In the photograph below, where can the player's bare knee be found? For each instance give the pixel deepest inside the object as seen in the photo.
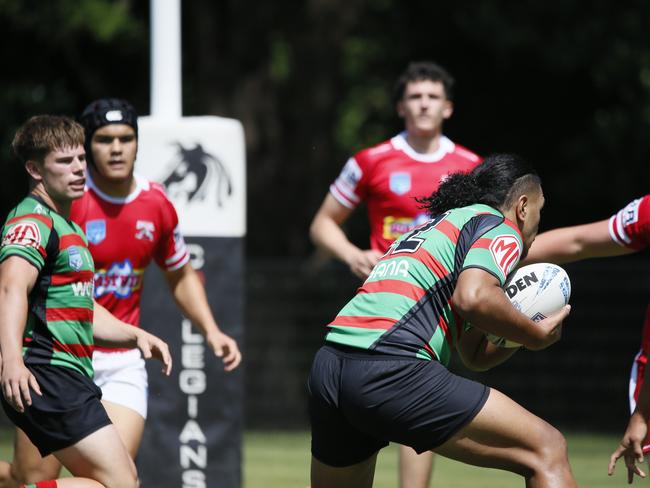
(552, 450)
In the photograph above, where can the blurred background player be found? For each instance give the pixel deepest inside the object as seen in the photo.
(625, 232)
(129, 221)
(381, 376)
(48, 317)
(389, 177)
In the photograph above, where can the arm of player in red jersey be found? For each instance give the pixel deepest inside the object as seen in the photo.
(190, 296)
(327, 234)
(574, 243)
(479, 354)
(17, 278)
(631, 445)
(109, 331)
(480, 300)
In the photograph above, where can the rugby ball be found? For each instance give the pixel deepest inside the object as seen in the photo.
(536, 290)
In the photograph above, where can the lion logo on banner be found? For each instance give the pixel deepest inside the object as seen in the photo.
(193, 175)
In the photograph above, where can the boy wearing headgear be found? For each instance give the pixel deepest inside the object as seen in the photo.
(129, 221)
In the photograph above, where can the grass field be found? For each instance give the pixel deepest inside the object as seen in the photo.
(281, 460)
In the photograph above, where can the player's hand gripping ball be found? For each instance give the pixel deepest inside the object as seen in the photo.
(536, 290)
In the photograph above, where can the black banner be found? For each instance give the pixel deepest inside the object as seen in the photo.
(193, 433)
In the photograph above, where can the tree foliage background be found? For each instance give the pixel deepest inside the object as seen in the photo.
(566, 84)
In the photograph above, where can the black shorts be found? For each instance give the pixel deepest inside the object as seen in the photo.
(359, 401)
(69, 409)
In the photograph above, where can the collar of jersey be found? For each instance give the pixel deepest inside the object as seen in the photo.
(494, 211)
(140, 185)
(445, 147)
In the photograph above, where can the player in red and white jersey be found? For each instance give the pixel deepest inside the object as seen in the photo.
(147, 226)
(129, 221)
(388, 178)
(625, 232)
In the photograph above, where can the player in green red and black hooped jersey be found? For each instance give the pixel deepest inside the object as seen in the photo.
(404, 307)
(59, 324)
(381, 375)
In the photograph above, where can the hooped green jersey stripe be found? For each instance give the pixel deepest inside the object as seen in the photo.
(404, 308)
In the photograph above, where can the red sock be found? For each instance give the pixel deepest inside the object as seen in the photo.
(42, 484)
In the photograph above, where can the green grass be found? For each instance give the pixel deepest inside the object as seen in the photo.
(281, 460)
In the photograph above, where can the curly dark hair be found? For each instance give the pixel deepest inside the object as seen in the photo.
(498, 180)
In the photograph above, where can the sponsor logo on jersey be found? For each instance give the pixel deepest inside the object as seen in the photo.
(394, 227)
(195, 172)
(82, 288)
(121, 279)
(400, 182)
(351, 173)
(505, 251)
(39, 209)
(96, 231)
(630, 213)
(26, 234)
(74, 258)
(391, 269)
(144, 230)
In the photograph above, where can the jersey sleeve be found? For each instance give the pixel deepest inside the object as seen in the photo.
(497, 251)
(630, 226)
(26, 236)
(171, 252)
(349, 188)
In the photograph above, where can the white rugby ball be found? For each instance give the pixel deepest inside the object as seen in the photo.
(537, 290)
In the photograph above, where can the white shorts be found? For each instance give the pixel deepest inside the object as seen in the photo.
(123, 379)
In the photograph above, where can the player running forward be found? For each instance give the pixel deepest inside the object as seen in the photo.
(129, 222)
(381, 376)
(625, 232)
(48, 317)
(389, 177)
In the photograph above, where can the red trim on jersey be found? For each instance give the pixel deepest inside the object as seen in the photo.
(69, 240)
(445, 328)
(363, 322)
(399, 287)
(448, 229)
(39, 217)
(514, 227)
(72, 277)
(77, 350)
(69, 313)
(430, 262)
(483, 243)
(427, 348)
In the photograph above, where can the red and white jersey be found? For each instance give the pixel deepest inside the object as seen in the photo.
(390, 176)
(124, 234)
(630, 226)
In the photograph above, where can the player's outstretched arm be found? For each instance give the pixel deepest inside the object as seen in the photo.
(109, 331)
(17, 278)
(631, 445)
(190, 296)
(479, 299)
(574, 243)
(327, 234)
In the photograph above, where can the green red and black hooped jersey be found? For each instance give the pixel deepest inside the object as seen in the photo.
(404, 308)
(59, 329)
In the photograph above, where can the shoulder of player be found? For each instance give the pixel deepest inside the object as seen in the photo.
(373, 154)
(30, 210)
(465, 154)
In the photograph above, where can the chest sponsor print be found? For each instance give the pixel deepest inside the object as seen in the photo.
(120, 279)
(399, 182)
(505, 250)
(96, 231)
